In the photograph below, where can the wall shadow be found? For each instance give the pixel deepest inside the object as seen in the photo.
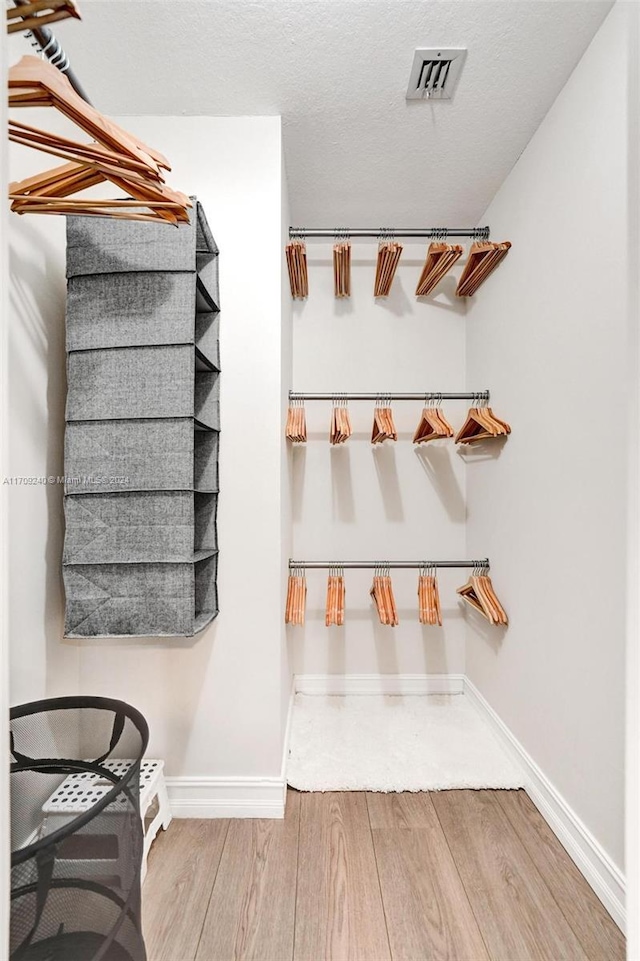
(492, 634)
(397, 302)
(435, 460)
(434, 648)
(385, 644)
(444, 297)
(482, 450)
(384, 458)
(342, 499)
(39, 304)
(298, 469)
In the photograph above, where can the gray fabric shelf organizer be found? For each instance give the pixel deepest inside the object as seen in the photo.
(143, 420)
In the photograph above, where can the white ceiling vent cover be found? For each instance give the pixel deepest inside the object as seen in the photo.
(435, 73)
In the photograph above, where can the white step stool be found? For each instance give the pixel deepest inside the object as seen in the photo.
(79, 792)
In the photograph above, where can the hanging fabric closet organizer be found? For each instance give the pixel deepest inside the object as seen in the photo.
(143, 420)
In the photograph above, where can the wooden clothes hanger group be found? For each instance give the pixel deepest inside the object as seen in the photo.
(382, 594)
(429, 611)
(334, 612)
(433, 425)
(483, 259)
(389, 253)
(340, 423)
(114, 155)
(38, 13)
(342, 269)
(296, 252)
(479, 593)
(383, 425)
(296, 597)
(481, 424)
(296, 429)
(440, 259)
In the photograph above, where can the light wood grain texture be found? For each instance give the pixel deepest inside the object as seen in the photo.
(517, 915)
(426, 908)
(339, 913)
(252, 909)
(182, 867)
(453, 876)
(401, 810)
(598, 934)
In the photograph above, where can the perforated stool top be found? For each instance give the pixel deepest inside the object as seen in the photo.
(79, 792)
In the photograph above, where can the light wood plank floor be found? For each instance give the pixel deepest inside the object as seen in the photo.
(448, 876)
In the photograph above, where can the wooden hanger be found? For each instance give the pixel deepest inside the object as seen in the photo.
(296, 252)
(432, 426)
(296, 427)
(340, 422)
(487, 588)
(296, 597)
(483, 259)
(382, 594)
(439, 261)
(81, 153)
(334, 613)
(50, 87)
(429, 611)
(479, 593)
(38, 13)
(342, 268)
(383, 425)
(114, 155)
(389, 254)
(446, 426)
(50, 193)
(392, 613)
(377, 594)
(481, 424)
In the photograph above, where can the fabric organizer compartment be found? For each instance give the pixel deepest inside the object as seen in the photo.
(113, 310)
(162, 454)
(143, 421)
(140, 600)
(139, 526)
(205, 468)
(104, 246)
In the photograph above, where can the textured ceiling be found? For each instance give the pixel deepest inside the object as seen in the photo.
(356, 152)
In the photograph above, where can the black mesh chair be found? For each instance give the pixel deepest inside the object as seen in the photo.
(75, 877)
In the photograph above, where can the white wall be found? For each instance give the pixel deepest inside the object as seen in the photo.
(633, 573)
(214, 703)
(286, 466)
(42, 664)
(391, 501)
(4, 558)
(548, 334)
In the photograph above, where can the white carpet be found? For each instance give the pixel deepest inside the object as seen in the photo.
(406, 743)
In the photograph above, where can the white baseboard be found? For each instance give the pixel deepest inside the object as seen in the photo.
(224, 797)
(379, 684)
(602, 874)
(239, 797)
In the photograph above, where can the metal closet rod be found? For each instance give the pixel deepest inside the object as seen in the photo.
(54, 53)
(476, 233)
(425, 395)
(372, 565)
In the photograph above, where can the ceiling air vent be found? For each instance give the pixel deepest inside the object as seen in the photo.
(435, 73)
